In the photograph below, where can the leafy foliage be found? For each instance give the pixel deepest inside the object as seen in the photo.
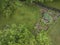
(20, 35)
(16, 35)
(8, 7)
(43, 38)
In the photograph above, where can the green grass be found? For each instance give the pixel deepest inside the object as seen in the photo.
(54, 4)
(24, 14)
(55, 28)
(55, 32)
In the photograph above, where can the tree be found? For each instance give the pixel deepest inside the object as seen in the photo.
(8, 7)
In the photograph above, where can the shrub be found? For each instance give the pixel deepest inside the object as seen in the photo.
(21, 35)
(43, 38)
(16, 35)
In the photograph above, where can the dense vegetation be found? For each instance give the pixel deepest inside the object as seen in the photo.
(8, 7)
(22, 31)
(20, 35)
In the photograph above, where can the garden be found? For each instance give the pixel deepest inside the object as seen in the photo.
(29, 22)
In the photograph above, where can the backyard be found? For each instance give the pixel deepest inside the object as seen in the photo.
(25, 23)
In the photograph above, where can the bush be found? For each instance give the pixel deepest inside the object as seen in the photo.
(16, 35)
(21, 35)
(43, 38)
(8, 8)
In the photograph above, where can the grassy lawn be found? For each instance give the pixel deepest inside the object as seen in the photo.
(55, 28)
(55, 32)
(24, 14)
(54, 4)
